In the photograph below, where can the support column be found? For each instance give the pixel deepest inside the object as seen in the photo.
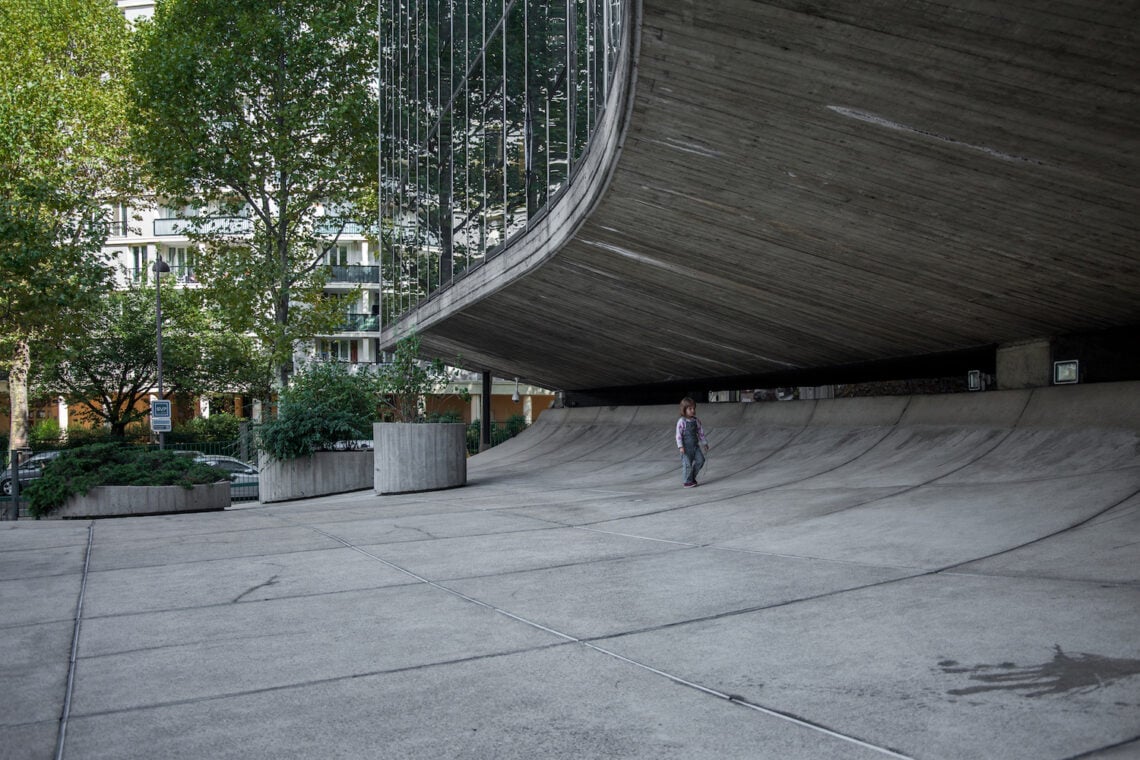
(485, 414)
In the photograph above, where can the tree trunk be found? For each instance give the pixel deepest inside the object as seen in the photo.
(284, 347)
(18, 395)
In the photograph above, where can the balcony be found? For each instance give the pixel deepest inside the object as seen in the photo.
(225, 225)
(327, 227)
(179, 274)
(354, 322)
(354, 273)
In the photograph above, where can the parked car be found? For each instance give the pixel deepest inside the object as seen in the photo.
(363, 445)
(30, 470)
(243, 476)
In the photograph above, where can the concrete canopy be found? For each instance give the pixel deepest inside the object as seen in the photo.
(783, 186)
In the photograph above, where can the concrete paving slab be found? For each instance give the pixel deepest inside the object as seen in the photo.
(737, 517)
(188, 585)
(30, 534)
(19, 563)
(614, 596)
(512, 552)
(107, 553)
(385, 530)
(1103, 549)
(953, 667)
(937, 526)
(33, 672)
(911, 456)
(21, 599)
(555, 703)
(137, 660)
(28, 741)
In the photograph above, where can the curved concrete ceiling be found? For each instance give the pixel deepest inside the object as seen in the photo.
(796, 185)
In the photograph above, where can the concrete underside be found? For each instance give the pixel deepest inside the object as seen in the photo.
(953, 577)
(803, 186)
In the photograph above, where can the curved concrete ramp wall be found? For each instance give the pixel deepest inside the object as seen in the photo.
(927, 481)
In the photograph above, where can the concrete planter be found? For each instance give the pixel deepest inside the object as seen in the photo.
(414, 457)
(122, 501)
(323, 473)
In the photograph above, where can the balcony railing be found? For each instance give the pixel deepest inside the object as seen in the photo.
(226, 225)
(360, 323)
(181, 274)
(354, 273)
(330, 227)
(241, 225)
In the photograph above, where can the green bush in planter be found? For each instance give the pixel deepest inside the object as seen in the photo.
(323, 405)
(78, 470)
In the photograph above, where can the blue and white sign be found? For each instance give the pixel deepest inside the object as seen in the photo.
(160, 416)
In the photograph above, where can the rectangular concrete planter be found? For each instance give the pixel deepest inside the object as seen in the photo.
(323, 473)
(414, 457)
(122, 501)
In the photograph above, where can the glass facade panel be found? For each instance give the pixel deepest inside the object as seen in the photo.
(487, 107)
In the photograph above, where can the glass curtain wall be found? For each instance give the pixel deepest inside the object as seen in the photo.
(486, 109)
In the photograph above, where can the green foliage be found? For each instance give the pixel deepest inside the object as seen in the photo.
(62, 163)
(108, 362)
(85, 436)
(323, 405)
(45, 433)
(217, 428)
(407, 379)
(261, 116)
(78, 470)
(514, 425)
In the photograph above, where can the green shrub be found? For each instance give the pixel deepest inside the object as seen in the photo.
(323, 405)
(500, 432)
(44, 434)
(217, 428)
(83, 436)
(78, 470)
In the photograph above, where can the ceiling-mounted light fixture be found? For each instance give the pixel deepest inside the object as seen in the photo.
(1065, 372)
(515, 395)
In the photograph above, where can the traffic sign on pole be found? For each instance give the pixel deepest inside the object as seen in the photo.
(160, 416)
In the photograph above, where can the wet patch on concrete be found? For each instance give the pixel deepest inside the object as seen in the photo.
(1080, 673)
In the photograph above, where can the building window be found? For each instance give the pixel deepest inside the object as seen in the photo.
(337, 350)
(182, 261)
(139, 256)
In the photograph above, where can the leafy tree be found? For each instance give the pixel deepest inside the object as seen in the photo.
(108, 363)
(62, 162)
(406, 380)
(260, 115)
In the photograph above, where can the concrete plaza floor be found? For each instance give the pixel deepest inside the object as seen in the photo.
(927, 577)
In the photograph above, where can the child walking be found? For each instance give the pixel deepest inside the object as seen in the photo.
(691, 441)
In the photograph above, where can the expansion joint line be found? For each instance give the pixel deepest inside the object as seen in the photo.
(65, 714)
(733, 698)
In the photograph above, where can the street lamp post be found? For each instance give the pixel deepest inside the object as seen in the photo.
(160, 267)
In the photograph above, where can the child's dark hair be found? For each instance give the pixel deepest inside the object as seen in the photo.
(686, 402)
